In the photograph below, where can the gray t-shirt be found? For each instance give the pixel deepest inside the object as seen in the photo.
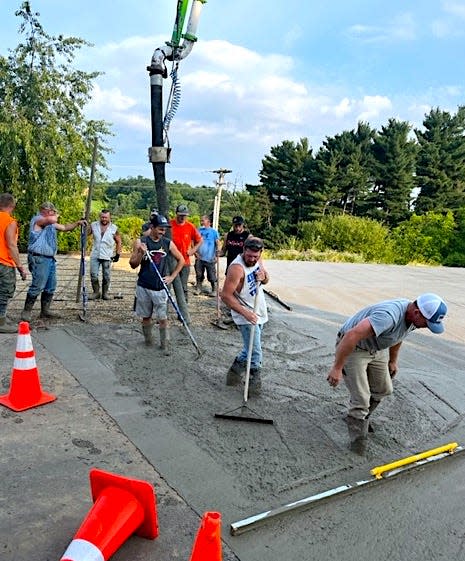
(387, 319)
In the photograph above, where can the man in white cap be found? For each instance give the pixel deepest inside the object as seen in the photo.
(367, 349)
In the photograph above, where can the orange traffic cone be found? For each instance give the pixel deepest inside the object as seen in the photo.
(122, 506)
(207, 545)
(25, 389)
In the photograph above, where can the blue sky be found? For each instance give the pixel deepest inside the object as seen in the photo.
(261, 72)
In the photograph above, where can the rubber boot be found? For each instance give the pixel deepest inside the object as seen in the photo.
(213, 291)
(358, 434)
(198, 288)
(45, 302)
(105, 287)
(233, 377)
(148, 334)
(373, 405)
(255, 381)
(26, 314)
(96, 290)
(165, 341)
(7, 327)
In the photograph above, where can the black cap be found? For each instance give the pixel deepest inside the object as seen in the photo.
(238, 220)
(182, 209)
(159, 220)
(255, 244)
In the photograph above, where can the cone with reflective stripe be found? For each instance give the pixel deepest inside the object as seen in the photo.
(207, 545)
(122, 507)
(25, 389)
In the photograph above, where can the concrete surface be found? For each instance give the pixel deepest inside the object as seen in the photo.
(132, 411)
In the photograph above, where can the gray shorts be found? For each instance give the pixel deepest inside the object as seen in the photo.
(151, 303)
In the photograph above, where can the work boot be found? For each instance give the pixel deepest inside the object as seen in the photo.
(213, 291)
(255, 381)
(373, 405)
(198, 288)
(233, 377)
(165, 341)
(45, 302)
(26, 314)
(96, 289)
(6, 327)
(148, 334)
(105, 287)
(358, 434)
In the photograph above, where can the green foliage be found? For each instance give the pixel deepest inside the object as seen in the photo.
(424, 238)
(130, 228)
(344, 233)
(45, 141)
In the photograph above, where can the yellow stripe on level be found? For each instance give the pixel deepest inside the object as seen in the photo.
(379, 470)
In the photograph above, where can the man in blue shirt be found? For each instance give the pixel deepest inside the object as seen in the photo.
(206, 256)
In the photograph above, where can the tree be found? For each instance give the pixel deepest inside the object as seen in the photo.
(343, 168)
(287, 176)
(441, 162)
(393, 173)
(45, 140)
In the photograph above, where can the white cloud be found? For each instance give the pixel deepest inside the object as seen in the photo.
(454, 8)
(400, 28)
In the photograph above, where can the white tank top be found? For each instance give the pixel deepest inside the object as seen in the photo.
(247, 294)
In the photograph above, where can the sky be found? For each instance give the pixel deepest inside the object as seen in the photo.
(260, 73)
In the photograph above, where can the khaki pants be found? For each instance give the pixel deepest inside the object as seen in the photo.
(366, 375)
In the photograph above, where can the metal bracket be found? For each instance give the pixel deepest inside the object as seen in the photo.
(159, 154)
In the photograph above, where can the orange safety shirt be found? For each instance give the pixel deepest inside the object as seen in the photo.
(183, 236)
(5, 257)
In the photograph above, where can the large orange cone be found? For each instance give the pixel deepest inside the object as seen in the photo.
(25, 389)
(122, 507)
(207, 545)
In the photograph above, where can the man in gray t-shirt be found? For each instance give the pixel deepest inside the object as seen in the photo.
(367, 348)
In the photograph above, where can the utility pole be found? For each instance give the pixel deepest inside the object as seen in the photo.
(220, 183)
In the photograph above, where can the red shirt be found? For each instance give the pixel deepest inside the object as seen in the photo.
(184, 236)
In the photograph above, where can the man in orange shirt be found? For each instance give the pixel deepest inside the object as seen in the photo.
(187, 239)
(10, 259)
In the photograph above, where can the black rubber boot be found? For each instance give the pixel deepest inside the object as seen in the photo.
(45, 302)
(6, 327)
(358, 434)
(105, 287)
(234, 375)
(96, 290)
(198, 288)
(373, 405)
(148, 334)
(213, 291)
(26, 314)
(255, 381)
(165, 341)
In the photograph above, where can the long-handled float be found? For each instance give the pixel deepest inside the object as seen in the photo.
(379, 474)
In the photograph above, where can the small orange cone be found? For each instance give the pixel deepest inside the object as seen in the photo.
(122, 507)
(25, 389)
(207, 545)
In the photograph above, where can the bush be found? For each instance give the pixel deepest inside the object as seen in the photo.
(348, 234)
(130, 228)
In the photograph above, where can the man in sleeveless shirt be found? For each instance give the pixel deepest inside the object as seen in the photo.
(367, 349)
(10, 259)
(151, 295)
(42, 249)
(105, 236)
(243, 293)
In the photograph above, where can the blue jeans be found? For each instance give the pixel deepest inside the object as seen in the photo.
(257, 345)
(95, 265)
(43, 271)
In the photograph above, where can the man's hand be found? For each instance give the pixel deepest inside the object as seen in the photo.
(334, 376)
(115, 258)
(393, 368)
(23, 273)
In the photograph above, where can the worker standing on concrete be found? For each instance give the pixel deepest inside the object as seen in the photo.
(367, 350)
(206, 257)
(105, 237)
(42, 249)
(10, 259)
(243, 293)
(151, 291)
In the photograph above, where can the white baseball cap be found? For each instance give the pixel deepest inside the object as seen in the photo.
(433, 309)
